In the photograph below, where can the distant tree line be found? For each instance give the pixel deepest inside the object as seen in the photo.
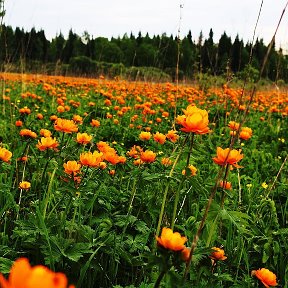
(86, 55)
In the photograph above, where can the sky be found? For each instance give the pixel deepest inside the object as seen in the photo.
(113, 18)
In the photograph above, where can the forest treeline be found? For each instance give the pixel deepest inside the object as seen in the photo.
(131, 55)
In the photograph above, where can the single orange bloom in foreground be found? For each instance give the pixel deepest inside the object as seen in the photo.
(66, 126)
(171, 240)
(5, 155)
(267, 277)
(218, 254)
(22, 275)
(195, 120)
(227, 156)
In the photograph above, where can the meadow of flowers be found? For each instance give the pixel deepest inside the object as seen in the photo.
(122, 184)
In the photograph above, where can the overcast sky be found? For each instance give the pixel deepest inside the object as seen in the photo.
(109, 18)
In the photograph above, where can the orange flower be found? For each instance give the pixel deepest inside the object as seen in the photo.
(148, 156)
(77, 119)
(83, 138)
(225, 185)
(18, 123)
(172, 136)
(27, 133)
(171, 240)
(227, 156)
(218, 254)
(40, 116)
(60, 109)
(5, 155)
(22, 275)
(111, 156)
(134, 152)
(166, 161)
(53, 117)
(47, 143)
(195, 120)
(25, 185)
(234, 126)
(138, 162)
(25, 110)
(45, 133)
(245, 133)
(95, 123)
(145, 136)
(185, 253)
(72, 167)
(193, 170)
(160, 138)
(267, 277)
(66, 126)
(91, 159)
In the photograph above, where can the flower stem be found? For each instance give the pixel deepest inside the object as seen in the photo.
(167, 187)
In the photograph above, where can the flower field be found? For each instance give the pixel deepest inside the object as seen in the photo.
(130, 184)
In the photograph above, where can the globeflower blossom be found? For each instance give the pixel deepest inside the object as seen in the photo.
(5, 155)
(18, 123)
(185, 254)
(225, 185)
(83, 138)
(91, 159)
(194, 120)
(267, 277)
(25, 185)
(171, 240)
(47, 143)
(45, 133)
(218, 254)
(245, 133)
(95, 123)
(148, 156)
(22, 275)
(144, 136)
(66, 126)
(27, 133)
(234, 126)
(71, 167)
(172, 136)
(228, 156)
(159, 137)
(192, 169)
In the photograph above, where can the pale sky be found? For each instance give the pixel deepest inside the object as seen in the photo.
(109, 18)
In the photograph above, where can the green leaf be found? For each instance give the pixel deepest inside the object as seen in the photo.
(5, 265)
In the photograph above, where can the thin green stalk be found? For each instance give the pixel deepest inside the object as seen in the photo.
(177, 196)
(167, 187)
(48, 192)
